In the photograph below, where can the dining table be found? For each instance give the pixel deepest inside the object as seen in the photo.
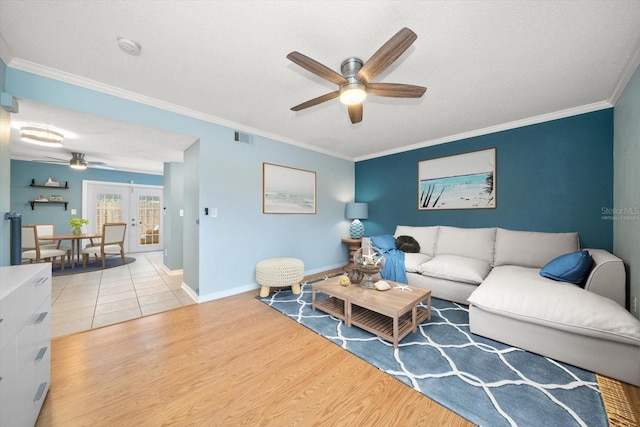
(75, 239)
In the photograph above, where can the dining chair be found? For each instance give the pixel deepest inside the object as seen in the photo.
(45, 230)
(32, 251)
(112, 244)
(94, 241)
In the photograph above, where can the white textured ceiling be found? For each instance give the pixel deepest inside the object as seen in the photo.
(487, 64)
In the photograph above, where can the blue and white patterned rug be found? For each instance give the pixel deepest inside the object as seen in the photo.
(486, 382)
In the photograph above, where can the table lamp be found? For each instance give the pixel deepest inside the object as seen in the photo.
(356, 212)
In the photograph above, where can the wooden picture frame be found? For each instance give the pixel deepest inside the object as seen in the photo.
(460, 181)
(287, 190)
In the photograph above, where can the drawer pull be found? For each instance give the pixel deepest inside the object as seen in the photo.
(40, 391)
(1, 319)
(40, 281)
(41, 353)
(41, 317)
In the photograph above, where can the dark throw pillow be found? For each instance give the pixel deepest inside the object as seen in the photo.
(407, 244)
(571, 268)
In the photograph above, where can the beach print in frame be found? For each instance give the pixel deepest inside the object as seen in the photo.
(288, 190)
(461, 181)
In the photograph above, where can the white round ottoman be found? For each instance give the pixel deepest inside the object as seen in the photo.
(279, 273)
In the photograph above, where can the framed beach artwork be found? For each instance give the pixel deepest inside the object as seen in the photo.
(288, 190)
(461, 181)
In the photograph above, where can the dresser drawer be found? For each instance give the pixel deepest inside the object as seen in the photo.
(34, 338)
(8, 384)
(31, 390)
(25, 342)
(9, 321)
(22, 301)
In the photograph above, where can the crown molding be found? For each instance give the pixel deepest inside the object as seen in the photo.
(627, 73)
(52, 73)
(73, 79)
(5, 53)
(493, 129)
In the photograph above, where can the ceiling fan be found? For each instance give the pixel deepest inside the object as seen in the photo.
(355, 81)
(78, 161)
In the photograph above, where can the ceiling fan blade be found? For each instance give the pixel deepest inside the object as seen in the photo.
(387, 54)
(55, 160)
(355, 113)
(100, 165)
(316, 101)
(396, 90)
(316, 68)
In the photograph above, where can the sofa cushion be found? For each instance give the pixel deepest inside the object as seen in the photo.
(475, 243)
(532, 249)
(425, 236)
(407, 244)
(570, 268)
(521, 293)
(456, 268)
(413, 261)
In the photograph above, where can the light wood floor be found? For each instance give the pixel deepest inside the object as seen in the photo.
(228, 362)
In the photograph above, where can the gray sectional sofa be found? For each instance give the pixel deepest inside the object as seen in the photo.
(497, 273)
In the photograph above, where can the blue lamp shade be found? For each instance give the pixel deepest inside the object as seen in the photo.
(356, 212)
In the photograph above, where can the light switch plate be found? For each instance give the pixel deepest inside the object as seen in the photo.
(74, 211)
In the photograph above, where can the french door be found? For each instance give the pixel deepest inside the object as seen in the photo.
(139, 206)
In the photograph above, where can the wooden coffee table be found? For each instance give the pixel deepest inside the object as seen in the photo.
(391, 314)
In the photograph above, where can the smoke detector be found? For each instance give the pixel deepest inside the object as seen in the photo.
(129, 46)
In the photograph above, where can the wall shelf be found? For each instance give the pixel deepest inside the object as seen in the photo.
(33, 184)
(49, 202)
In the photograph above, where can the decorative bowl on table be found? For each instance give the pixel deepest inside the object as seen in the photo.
(369, 260)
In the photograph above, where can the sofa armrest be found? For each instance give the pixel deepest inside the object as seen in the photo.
(607, 277)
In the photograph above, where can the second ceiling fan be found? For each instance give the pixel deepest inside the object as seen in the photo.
(78, 161)
(355, 81)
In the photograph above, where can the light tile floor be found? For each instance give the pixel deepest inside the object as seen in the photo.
(91, 300)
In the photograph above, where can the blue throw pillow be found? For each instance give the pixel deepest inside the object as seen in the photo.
(384, 243)
(571, 268)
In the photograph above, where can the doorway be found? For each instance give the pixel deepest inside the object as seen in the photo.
(139, 206)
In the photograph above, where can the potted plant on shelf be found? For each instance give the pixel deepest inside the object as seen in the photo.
(76, 224)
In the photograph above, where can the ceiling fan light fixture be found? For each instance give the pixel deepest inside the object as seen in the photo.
(41, 136)
(352, 93)
(77, 161)
(76, 164)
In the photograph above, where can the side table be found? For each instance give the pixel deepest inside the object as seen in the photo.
(353, 245)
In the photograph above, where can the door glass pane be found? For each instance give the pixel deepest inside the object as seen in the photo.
(108, 209)
(149, 217)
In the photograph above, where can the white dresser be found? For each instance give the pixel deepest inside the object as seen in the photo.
(25, 342)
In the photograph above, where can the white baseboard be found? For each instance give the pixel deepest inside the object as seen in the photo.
(171, 272)
(192, 294)
(241, 289)
(228, 292)
(320, 270)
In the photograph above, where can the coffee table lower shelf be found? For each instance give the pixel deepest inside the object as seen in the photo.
(382, 325)
(333, 306)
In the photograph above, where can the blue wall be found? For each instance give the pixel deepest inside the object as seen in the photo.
(5, 166)
(626, 198)
(22, 172)
(229, 178)
(554, 176)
